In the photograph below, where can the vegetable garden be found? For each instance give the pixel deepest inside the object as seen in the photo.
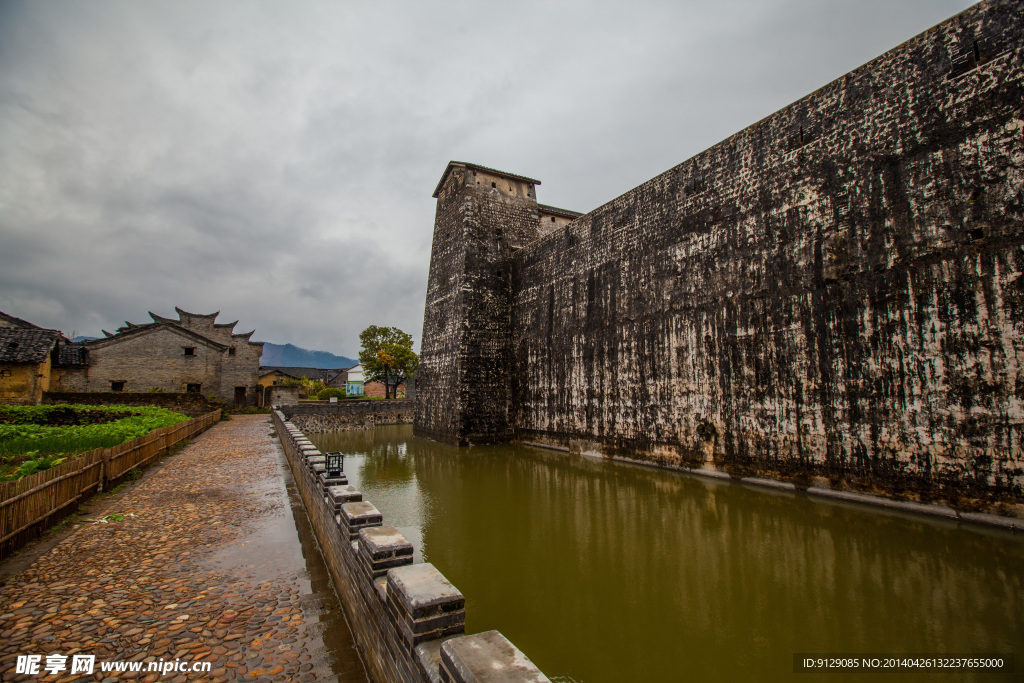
(34, 438)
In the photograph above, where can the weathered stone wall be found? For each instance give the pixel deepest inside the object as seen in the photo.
(280, 395)
(348, 414)
(240, 361)
(438, 369)
(24, 383)
(550, 222)
(192, 405)
(154, 359)
(70, 379)
(834, 291)
(464, 370)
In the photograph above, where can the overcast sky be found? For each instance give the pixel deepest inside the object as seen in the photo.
(275, 160)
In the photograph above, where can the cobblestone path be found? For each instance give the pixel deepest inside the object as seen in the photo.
(205, 565)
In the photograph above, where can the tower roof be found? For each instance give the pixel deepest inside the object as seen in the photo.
(464, 164)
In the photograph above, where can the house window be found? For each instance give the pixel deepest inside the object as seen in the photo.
(189, 350)
(193, 388)
(231, 351)
(117, 386)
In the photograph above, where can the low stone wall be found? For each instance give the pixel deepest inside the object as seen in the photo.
(407, 619)
(314, 418)
(192, 405)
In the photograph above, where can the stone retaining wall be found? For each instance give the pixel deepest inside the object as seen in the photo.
(314, 418)
(407, 619)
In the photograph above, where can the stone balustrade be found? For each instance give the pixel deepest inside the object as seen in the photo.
(408, 619)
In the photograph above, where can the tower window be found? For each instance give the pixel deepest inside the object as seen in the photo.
(231, 351)
(494, 184)
(193, 388)
(117, 386)
(189, 350)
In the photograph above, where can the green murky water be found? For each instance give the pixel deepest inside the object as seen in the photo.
(604, 571)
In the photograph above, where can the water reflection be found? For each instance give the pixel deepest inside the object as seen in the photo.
(604, 571)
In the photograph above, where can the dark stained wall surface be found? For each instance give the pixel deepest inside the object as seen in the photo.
(482, 218)
(834, 291)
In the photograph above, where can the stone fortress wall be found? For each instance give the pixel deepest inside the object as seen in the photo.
(835, 292)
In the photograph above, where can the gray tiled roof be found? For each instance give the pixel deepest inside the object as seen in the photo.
(26, 344)
(561, 212)
(16, 322)
(71, 355)
(505, 174)
(312, 373)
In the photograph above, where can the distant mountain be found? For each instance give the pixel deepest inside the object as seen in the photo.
(291, 356)
(80, 338)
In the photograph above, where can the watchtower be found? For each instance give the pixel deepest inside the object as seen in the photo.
(483, 216)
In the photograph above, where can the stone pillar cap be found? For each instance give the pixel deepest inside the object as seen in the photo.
(379, 538)
(486, 657)
(421, 586)
(359, 509)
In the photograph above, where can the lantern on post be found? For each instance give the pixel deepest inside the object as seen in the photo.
(335, 463)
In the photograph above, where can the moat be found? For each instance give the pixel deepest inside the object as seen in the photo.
(606, 571)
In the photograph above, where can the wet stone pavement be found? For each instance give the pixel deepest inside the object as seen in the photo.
(212, 561)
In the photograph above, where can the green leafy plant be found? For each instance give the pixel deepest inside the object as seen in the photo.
(37, 465)
(331, 392)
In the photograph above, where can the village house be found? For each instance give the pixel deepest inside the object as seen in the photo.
(354, 378)
(193, 353)
(271, 375)
(276, 377)
(29, 357)
(356, 385)
(26, 357)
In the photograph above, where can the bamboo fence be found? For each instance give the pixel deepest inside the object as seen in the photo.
(29, 505)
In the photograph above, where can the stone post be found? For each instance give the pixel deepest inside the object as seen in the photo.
(424, 605)
(381, 548)
(356, 516)
(486, 657)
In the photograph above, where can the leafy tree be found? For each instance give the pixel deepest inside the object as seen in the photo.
(307, 387)
(311, 387)
(387, 356)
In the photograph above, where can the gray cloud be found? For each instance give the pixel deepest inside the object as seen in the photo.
(275, 161)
